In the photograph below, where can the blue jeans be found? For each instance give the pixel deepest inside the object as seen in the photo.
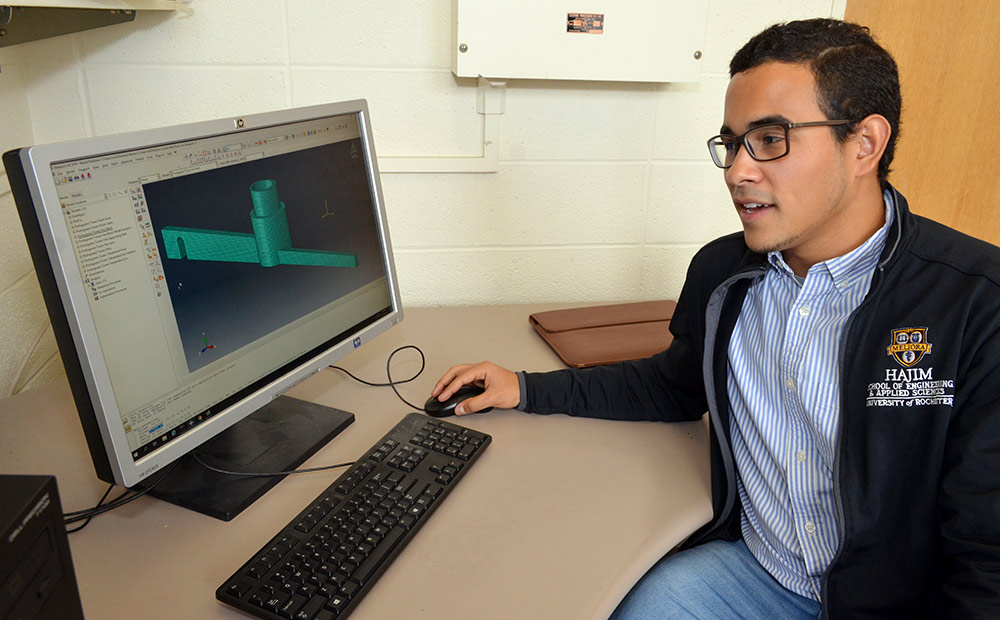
(718, 580)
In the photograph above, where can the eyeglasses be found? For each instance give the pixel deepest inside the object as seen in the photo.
(764, 143)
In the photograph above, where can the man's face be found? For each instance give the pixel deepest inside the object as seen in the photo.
(799, 204)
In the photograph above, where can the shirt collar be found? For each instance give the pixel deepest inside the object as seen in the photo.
(846, 270)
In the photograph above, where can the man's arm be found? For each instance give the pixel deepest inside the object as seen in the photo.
(667, 386)
(647, 389)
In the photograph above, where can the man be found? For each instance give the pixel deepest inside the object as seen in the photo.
(846, 351)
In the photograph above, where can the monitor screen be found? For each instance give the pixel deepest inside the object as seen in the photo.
(194, 273)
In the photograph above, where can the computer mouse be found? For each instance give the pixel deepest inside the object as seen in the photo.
(438, 409)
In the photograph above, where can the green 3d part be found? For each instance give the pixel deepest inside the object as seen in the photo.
(270, 244)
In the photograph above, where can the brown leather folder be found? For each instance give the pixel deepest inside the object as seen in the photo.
(595, 335)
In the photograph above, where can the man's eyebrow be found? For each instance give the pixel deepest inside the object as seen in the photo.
(766, 120)
(769, 120)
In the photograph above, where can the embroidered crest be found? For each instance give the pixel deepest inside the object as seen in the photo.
(909, 345)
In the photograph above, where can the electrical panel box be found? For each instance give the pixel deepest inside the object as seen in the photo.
(601, 40)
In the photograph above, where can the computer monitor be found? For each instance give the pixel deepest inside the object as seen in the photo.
(194, 273)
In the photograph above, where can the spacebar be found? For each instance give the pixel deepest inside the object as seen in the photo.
(378, 555)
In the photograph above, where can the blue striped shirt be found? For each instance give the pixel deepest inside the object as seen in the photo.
(784, 394)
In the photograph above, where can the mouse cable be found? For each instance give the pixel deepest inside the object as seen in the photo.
(423, 362)
(388, 374)
(391, 383)
(130, 495)
(253, 474)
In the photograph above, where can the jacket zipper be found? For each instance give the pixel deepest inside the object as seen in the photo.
(838, 501)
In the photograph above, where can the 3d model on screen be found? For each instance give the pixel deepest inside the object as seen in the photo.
(270, 244)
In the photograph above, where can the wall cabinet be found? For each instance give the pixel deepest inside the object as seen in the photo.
(31, 20)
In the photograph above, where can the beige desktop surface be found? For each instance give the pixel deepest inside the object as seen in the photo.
(558, 518)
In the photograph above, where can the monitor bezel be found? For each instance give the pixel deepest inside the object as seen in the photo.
(73, 324)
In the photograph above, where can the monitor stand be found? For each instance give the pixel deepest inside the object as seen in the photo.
(278, 437)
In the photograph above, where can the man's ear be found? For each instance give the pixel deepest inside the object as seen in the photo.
(871, 138)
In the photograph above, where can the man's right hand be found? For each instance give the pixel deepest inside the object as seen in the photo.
(501, 385)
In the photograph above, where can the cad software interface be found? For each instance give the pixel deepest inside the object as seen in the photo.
(208, 264)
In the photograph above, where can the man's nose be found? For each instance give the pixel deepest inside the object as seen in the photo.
(744, 169)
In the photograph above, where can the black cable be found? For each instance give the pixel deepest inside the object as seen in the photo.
(121, 500)
(391, 383)
(125, 497)
(106, 508)
(360, 380)
(197, 458)
(373, 384)
(99, 502)
(76, 513)
(130, 495)
(388, 374)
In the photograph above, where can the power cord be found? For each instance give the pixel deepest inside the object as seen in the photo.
(87, 522)
(127, 496)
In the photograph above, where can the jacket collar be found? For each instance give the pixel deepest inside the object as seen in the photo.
(901, 229)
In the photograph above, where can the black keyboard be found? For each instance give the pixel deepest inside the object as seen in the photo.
(320, 565)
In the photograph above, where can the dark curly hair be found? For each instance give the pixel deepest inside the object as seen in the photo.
(855, 76)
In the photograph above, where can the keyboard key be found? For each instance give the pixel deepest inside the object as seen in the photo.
(275, 601)
(350, 589)
(238, 589)
(377, 558)
(311, 608)
(292, 606)
(337, 604)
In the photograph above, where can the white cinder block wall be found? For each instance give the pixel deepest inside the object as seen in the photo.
(604, 190)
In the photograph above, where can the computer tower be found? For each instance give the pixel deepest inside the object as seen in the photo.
(37, 581)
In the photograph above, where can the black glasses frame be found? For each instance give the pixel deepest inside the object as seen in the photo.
(741, 140)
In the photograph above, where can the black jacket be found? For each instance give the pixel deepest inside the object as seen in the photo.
(917, 474)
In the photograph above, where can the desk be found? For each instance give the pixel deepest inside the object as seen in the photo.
(523, 536)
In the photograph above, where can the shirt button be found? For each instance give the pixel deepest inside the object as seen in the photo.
(801, 456)
(804, 311)
(790, 384)
(810, 527)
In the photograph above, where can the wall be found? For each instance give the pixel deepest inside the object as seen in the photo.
(604, 190)
(27, 347)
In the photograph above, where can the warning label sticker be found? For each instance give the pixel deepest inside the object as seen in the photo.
(589, 23)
